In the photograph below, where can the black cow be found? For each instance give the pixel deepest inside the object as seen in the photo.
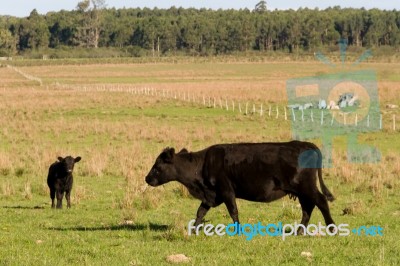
(60, 180)
(261, 172)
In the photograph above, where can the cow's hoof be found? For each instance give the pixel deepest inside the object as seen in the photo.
(300, 232)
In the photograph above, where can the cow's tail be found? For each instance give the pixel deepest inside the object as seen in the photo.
(324, 189)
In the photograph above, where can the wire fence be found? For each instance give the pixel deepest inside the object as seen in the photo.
(308, 117)
(300, 119)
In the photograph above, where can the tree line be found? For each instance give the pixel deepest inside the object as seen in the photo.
(198, 31)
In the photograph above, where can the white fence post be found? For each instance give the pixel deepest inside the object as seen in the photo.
(322, 117)
(294, 115)
(394, 122)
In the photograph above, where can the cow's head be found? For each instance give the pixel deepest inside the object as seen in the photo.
(163, 170)
(68, 163)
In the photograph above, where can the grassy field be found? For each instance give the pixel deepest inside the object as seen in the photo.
(116, 219)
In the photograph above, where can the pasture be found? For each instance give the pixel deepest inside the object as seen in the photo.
(116, 219)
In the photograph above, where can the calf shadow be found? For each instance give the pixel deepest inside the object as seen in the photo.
(118, 227)
(25, 207)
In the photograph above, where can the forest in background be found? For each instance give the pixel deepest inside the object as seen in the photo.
(137, 32)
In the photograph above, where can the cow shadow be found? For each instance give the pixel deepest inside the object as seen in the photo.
(117, 227)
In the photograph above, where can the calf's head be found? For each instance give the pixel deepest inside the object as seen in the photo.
(163, 169)
(68, 163)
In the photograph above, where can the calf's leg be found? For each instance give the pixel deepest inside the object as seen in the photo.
(52, 196)
(59, 195)
(68, 197)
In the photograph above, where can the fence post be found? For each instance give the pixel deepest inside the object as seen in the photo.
(261, 110)
(322, 117)
(240, 109)
(293, 114)
(277, 112)
(380, 121)
(233, 106)
(394, 122)
(269, 112)
(312, 117)
(226, 104)
(247, 104)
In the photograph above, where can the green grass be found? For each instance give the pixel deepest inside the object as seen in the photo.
(93, 232)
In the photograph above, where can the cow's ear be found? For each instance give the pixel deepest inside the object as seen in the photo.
(77, 159)
(60, 158)
(168, 155)
(171, 153)
(183, 151)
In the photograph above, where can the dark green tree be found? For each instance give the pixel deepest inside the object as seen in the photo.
(261, 6)
(33, 32)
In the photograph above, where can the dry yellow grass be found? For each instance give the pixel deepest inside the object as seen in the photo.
(109, 130)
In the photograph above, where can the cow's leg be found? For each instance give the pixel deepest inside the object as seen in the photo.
(59, 195)
(307, 207)
(52, 196)
(68, 197)
(201, 212)
(227, 196)
(230, 203)
(323, 206)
